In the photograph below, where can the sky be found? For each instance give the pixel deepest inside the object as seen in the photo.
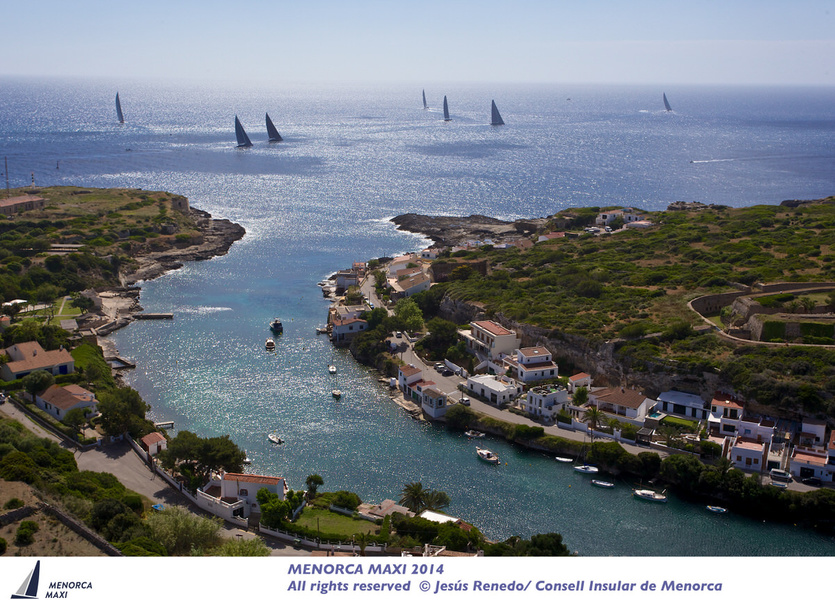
(789, 42)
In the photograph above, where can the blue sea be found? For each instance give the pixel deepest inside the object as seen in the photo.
(352, 158)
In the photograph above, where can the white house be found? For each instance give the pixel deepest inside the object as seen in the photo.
(682, 404)
(531, 365)
(348, 311)
(725, 414)
(749, 455)
(433, 402)
(242, 487)
(623, 403)
(627, 215)
(812, 433)
(579, 380)
(410, 284)
(345, 279)
(429, 253)
(154, 443)
(756, 430)
(496, 391)
(544, 401)
(399, 263)
(58, 401)
(344, 330)
(30, 356)
(490, 339)
(406, 376)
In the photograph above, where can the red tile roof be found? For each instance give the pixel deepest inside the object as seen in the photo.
(620, 397)
(244, 478)
(535, 351)
(493, 328)
(578, 376)
(153, 438)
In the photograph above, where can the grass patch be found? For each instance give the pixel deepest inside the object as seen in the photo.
(330, 523)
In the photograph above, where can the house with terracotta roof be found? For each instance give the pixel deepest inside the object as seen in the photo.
(534, 364)
(27, 357)
(154, 443)
(577, 381)
(58, 401)
(725, 414)
(623, 403)
(344, 330)
(406, 376)
(234, 495)
(490, 340)
(749, 455)
(409, 284)
(16, 204)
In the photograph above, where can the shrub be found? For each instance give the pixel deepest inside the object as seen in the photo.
(345, 499)
(13, 504)
(25, 533)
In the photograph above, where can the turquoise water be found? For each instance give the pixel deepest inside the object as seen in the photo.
(354, 157)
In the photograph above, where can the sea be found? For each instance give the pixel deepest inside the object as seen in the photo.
(354, 156)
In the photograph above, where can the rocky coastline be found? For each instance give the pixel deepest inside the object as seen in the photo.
(453, 231)
(118, 306)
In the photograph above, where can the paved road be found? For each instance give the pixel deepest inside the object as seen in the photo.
(120, 460)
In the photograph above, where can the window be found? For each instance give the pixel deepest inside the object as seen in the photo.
(243, 492)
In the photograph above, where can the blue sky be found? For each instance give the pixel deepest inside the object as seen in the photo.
(576, 41)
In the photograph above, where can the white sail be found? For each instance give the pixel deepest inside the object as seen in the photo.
(446, 110)
(243, 138)
(666, 103)
(424, 100)
(119, 114)
(272, 132)
(496, 117)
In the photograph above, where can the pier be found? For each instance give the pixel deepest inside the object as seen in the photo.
(153, 316)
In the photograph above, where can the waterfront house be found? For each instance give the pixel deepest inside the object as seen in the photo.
(409, 284)
(531, 365)
(58, 401)
(749, 455)
(725, 414)
(234, 495)
(624, 404)
(429, 253)
(344, 330)
(384, 509)
(757, 429)
(489, 340)
(495, 390)
(345, 279)
(154, 443)
(27, 357)
(348, 311)
(406, 376)
(544, 401)
(399, 263)
(627, 215)
(433, 402)
(682, 404)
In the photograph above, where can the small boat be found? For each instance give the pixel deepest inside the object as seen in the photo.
(564, 459)
(275, 439)
(240, 134)
(269, 345)
(272, 132)
(667, 106)
(276, 326)
(471, 433)
(496, 117)
(719, 510)
(446, 110)
(336, 394)
(425, 106)
(321, 330)
(589, 469)
(650, 495)
(332, 369)
(247, 460)
(601, 483)
(487, 455)
(119, 114)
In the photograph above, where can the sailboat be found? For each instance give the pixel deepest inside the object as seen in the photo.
(425, 106)
(446, 110)
(243, 138)
(119, 114)
(272, 131)
(497, 118)
(29, 587)
(666, 103)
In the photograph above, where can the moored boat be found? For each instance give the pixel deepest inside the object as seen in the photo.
(601, 483)
(269, 345)
(276, 325)
(275, 439)
(336, 394)
(564, 459)
(332, 369)
(589, 469)
(719, 510)
(471, 433)
(487, 455)
(650, 495)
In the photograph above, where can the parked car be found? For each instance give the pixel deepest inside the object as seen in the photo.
(439, 367)
(446, 372)
(815, 481)
(398, 334)
(780, 475)
(465, 401)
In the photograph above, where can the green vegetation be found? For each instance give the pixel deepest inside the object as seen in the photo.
(195, 458)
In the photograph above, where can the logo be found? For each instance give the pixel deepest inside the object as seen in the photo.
(29, 588)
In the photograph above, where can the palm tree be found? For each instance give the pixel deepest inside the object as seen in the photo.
(435, 500)
(808, 303)
(413, 496)
(594, 417)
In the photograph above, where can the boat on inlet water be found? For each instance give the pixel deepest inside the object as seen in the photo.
(487, 455)
(589, 469)
(650, 495)
(603, 484)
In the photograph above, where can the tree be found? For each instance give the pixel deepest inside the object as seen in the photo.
(808, 304)
(204, 455)
(581, 396)
(594, 417)
(181, 532)
(409, 315)
(122, 410)
(38, 382)
(313, 482)
(413, 496)
(435, 500)
(76, 418)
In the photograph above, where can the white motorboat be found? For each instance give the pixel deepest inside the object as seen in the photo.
(332, 369)
(471, 433)
(564, 459)
(603, 484)
(487, 455)
(588, 469)
(269, 345)
(275, 439)
(650, 495)
(336, 394)
(276, 325)
(719, 510)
